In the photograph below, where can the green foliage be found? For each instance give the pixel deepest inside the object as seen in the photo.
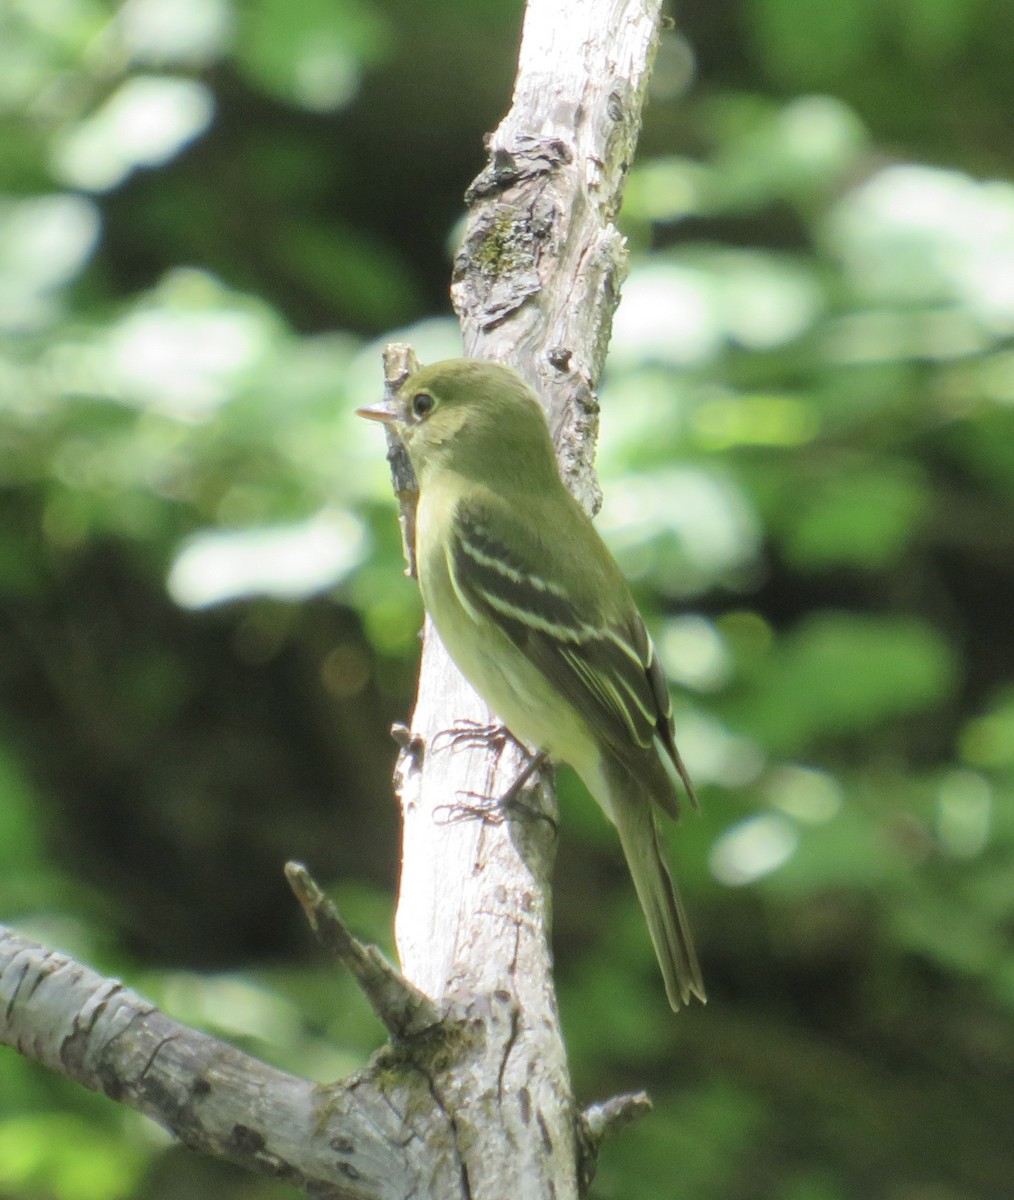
(864, 518)
(312, 53)
(211, 215)
(65, 1156)
(841, 674)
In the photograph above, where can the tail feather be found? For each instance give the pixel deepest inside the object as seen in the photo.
(636, 822)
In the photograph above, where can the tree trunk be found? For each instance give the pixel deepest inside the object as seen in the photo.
(535, 285)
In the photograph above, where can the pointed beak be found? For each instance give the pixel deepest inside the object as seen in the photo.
(384, 411)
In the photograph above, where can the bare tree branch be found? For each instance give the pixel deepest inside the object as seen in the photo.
(399, 362)
(343, 1142)
(535, 285)
(404, 1010)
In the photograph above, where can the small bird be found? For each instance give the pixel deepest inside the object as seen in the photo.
(536, 615)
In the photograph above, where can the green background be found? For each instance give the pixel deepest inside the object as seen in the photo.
(212, 215)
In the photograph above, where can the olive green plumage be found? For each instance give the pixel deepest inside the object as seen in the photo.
(537, 616)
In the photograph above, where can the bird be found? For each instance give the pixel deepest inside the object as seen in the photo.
(536, 614)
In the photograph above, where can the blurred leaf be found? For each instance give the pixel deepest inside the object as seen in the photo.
(191, 32)
(988, 740)
(288, 562)
(147, 121)
(708, 1133)
(935, 30)
(312, 53)
(806, 44)
(839, 673)
(351, 270)
(52, 1154)
(45, 241)
(861, 518)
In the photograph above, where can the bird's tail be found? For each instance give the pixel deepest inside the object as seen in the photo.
(636, 820)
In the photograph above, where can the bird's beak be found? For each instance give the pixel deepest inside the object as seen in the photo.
(384, 410)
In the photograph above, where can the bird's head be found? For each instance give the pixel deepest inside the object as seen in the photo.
(469, 416)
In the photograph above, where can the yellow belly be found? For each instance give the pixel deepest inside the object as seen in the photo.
(513, 687)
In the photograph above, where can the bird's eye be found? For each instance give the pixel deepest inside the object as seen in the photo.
(422, 404)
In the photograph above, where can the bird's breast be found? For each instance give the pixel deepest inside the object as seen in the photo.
(510, 683)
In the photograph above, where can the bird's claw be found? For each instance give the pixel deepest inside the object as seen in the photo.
(467, 732)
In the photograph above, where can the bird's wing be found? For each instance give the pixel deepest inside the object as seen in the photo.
(605, 667)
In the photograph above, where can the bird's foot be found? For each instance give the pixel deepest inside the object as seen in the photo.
(467, 732)
(486, 809)
(494, 810)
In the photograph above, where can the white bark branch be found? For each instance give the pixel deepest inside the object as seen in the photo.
(405, 1011)
(535, 285)
(539, 272)
(347, 1142)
